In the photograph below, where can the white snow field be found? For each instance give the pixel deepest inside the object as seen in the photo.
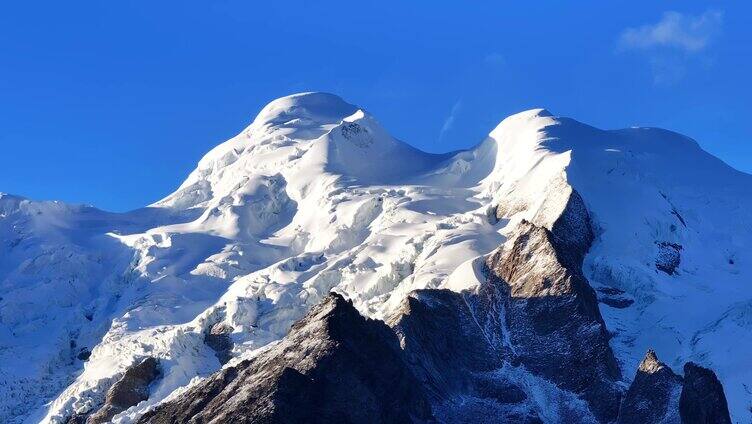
(316, 196)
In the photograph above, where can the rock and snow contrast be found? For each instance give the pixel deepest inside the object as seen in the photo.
(315, 269)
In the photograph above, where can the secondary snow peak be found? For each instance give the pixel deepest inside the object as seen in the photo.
(313, 108)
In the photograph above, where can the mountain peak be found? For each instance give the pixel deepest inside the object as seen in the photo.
(305, 108)
(650, 363)
(537, 112)
(316, 196)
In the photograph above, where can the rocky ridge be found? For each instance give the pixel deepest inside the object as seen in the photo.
(533, 326)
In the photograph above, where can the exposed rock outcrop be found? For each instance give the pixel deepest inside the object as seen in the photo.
(454, 344)
(668, 257)
(653, 395)
(552, 312)
(218, 339)
(132, 388)
(702, 400)
(572, 232)
(83, 354)
(334, 366)
(536, 309)
(658, 395)
(614, 297)
(443, 342)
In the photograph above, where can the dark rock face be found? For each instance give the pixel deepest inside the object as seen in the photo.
(492, 214)
(659, 395)
(702, 400)
(334, 366)
(668, 257)
(131, 389)
(536, 310)
(552, 312)
(76, 419)
(572, 233)
(356, 134)
(652, 396)
(614, 297)
(442, 342)
(454, 345)
(218, 339)
(83, 354)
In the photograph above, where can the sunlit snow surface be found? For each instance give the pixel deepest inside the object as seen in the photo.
(316, 196)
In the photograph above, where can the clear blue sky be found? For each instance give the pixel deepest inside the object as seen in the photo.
(112, 103)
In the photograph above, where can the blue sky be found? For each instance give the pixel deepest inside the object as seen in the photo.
(113, 103)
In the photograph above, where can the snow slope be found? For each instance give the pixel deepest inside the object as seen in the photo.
(316, 196)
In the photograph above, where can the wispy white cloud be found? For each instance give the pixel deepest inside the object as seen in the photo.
(688, 33)
(675, 44)
(494, 58)
(449, 121)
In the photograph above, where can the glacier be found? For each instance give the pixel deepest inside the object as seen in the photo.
(315, 197)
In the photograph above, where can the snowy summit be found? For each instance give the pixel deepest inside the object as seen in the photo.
(523, 279)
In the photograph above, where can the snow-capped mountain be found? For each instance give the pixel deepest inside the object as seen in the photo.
(525, 278)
